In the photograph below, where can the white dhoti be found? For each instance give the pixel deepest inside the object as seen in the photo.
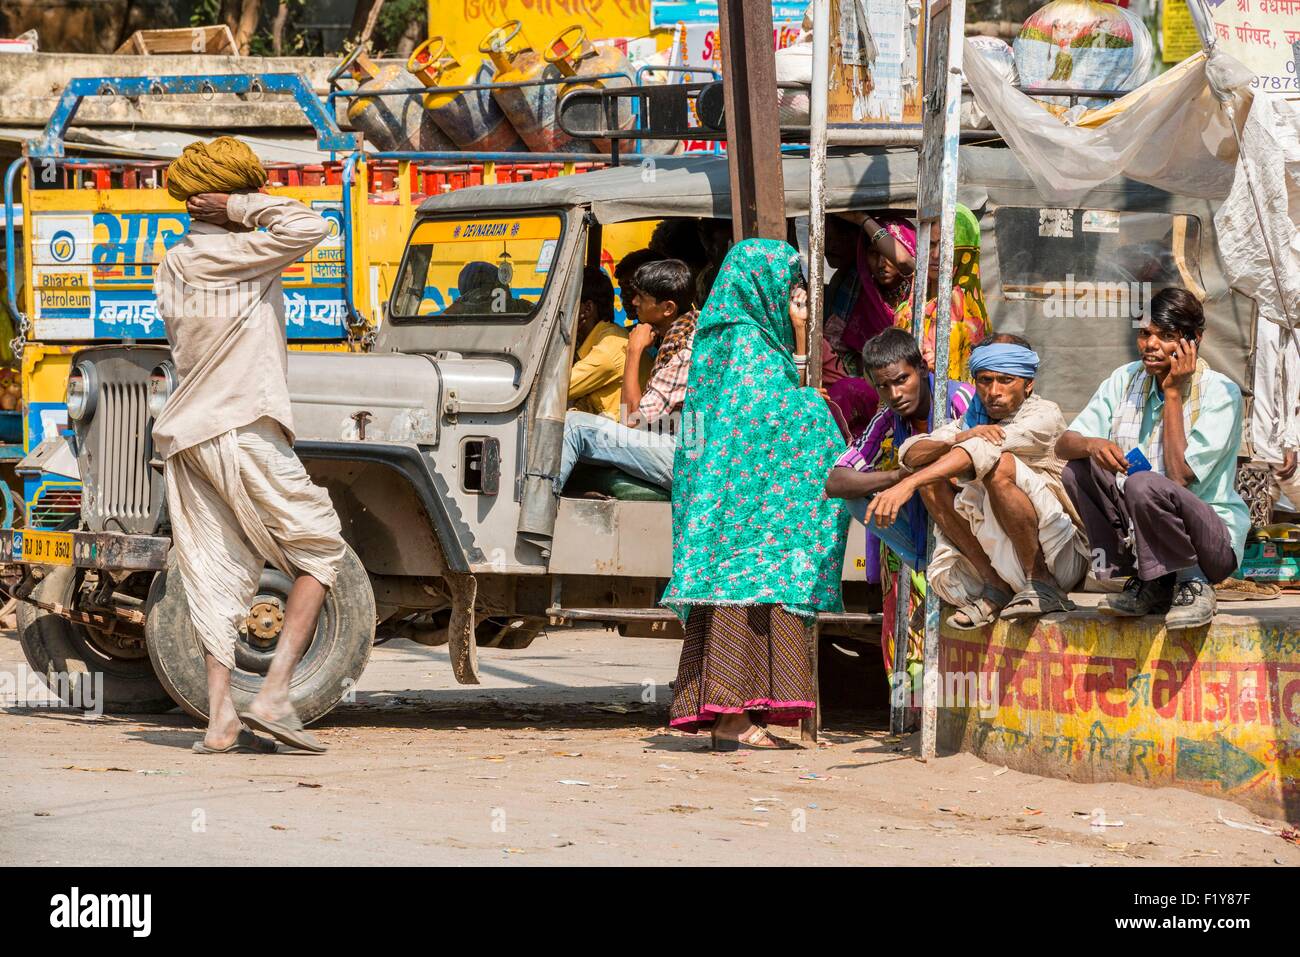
(238, 502)
(1065, 547)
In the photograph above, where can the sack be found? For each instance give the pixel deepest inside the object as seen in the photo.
(1082, 45)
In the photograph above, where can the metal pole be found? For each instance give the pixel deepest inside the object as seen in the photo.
(821, 68)
(753, 131)
(821, 10)
(946, 89)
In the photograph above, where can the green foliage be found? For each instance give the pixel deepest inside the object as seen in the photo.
(205, 13)
(294, 42)
(394, 18)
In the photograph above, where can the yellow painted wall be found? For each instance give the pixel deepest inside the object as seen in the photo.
(1083, 697)
(464, 23)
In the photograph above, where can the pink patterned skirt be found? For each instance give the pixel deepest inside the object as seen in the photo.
(742, 658)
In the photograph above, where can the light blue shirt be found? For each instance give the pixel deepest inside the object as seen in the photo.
(1211, 446)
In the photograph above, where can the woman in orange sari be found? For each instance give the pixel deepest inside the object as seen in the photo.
(970, 322)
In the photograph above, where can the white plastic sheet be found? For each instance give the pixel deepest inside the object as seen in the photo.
(1274, 423)
(1270, 163)
(1171, 134)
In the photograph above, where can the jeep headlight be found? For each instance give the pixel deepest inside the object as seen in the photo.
(162, 383)
(83, 388)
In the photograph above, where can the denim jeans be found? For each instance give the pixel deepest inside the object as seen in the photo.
(902, 536)
(595, 438)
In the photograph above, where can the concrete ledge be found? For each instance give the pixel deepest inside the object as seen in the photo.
(1090, 698)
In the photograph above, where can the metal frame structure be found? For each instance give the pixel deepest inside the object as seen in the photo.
(938, 140)
(328, 135)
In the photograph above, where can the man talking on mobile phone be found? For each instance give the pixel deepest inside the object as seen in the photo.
(1152, 462)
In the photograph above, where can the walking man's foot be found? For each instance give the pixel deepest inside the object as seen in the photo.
(223, 726)
(278, 719)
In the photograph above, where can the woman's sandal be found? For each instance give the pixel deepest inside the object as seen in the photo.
(1038, 598)
(981, 612)
(755, 739)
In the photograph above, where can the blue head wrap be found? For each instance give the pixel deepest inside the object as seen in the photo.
(1005, 357)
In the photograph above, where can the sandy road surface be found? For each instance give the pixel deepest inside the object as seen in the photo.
(527, 769)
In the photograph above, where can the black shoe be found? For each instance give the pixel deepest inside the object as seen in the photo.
(1193, 606)
(1140, 598)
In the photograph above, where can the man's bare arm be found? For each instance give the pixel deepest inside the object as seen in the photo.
(925, 451)
(845, 482)
(884, 508)
(1108, 455)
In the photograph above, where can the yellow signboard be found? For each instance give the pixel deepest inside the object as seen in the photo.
(464, 23)
(1178, 39)
(1265, 36)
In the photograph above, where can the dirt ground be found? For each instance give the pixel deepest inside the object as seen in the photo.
(557, 759)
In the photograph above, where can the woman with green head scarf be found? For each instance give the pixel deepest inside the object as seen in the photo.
(758, 549)
(970, 320)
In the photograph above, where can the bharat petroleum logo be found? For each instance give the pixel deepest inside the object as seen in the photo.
(63, 246)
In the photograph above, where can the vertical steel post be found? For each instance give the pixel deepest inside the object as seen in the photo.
(937, 189)
(753, 127)
(821, 10)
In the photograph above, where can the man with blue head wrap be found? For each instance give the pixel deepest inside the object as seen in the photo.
(1008, 542)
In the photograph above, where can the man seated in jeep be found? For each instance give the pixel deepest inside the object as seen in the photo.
(596, 379)
(643, 443)
(480, 291)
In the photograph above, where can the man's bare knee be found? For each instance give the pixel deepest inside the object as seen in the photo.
(1004, 472)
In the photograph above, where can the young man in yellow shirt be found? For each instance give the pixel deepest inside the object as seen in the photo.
(596, 381)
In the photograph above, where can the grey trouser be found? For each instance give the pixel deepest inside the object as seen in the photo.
(1172, 529)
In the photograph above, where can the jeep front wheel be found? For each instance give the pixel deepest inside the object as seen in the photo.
(329, 669)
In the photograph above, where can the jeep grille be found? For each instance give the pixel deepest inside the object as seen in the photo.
(122, 472)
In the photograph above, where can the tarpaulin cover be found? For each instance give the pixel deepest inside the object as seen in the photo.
(1195, 152)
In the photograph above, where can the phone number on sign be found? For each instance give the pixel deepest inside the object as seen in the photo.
(1275, 83)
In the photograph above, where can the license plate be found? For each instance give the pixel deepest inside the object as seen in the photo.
(43, 548)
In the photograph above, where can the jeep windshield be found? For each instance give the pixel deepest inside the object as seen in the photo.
(476, 268)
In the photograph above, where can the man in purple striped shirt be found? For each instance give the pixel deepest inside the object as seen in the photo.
(870, 465)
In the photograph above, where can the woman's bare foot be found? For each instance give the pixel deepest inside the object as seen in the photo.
(731, 732)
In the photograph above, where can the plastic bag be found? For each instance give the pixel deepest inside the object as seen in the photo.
(1082, 45)
(998, 53)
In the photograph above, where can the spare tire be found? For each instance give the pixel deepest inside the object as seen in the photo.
(329, 669)
(65, 654)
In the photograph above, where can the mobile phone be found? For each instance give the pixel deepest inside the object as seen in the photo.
(1137, 462)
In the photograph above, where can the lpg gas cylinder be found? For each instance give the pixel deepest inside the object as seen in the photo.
(397, 122)
(531, 109)
(576, 56)
(472, 119)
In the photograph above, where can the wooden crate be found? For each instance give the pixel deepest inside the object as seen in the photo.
(216, 40)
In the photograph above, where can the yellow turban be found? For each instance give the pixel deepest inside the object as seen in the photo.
(222, 166)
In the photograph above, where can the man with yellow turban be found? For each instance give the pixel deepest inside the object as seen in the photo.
(237, 496)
